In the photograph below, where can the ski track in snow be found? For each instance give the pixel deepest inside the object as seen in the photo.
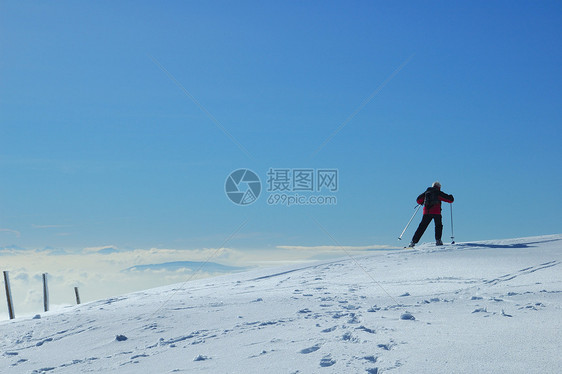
(324, 318)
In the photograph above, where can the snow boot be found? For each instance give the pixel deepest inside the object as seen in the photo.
(412, 244)
(438, 242)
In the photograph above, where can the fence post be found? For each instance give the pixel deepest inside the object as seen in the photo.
(45, 293)
(9, 295)
(77, 295)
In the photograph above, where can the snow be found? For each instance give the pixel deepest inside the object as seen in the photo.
(480, 307)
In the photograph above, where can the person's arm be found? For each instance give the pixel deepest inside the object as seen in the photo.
(446, 197)
(420, 199)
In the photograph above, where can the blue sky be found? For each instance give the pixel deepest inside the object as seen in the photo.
(102, 145)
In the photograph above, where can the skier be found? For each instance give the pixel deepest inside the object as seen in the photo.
(431, 200)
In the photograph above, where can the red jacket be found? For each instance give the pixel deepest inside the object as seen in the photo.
(436, 208)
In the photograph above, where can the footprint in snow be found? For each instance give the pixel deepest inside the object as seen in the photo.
(432, 300)
(366, 329)
(505, 314)
(338, 315)
(354, 319)
(407, 317)
(386, 347)
(20, 361)
(330, 329)
(349, 337)
(327, 361)
(308, 350)
(40, 343)
(535, 306)
(135, 357)
(42, 370)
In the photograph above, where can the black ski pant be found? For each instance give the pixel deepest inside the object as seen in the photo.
(426, 220)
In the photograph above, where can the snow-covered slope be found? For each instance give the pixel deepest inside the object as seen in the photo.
(485, 307)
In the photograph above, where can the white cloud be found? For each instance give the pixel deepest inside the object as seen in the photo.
(15, 232)
(101, 248)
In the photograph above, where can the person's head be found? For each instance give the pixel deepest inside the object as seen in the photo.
(436, 184)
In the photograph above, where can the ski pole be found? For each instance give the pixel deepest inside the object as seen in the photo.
(405, 228)
(452, 231)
